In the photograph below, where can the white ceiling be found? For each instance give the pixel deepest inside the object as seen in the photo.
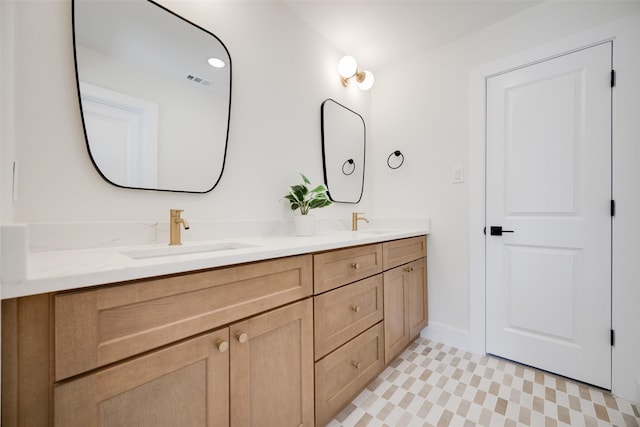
(380, 32)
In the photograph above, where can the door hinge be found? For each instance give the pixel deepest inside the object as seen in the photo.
(613, 208)
(613, 338)
(613, 78)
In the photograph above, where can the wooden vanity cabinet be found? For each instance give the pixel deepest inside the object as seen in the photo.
(237, 346)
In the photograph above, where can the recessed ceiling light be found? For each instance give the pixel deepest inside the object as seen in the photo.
(216, 62)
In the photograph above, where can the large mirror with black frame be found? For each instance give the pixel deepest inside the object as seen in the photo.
(343, 150)
(155, 95)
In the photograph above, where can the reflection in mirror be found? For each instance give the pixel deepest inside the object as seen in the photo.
(343, 147)
(155, 110)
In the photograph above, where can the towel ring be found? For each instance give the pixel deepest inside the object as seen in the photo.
(353, 167)
(396, 153)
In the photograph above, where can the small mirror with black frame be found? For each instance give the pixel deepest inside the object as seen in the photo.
(343, 152)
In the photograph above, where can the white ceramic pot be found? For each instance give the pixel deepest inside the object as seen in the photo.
(305, 225)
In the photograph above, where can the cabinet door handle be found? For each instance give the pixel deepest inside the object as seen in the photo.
(356, 364)
(355, 308)
(355, 266)
(242, 337)
(222, 346)
(408, 269)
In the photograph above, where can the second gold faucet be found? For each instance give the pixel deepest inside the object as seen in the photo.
(174, 227)
(355, 218)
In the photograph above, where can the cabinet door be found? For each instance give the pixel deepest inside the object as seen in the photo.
(405, 306)
(272, 368)
(185, 384)
(417, 297)
(396, 307)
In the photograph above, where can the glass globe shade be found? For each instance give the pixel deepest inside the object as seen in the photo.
(347, 66)
(368, 81)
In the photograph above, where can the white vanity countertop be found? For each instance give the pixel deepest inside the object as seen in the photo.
(71, 269)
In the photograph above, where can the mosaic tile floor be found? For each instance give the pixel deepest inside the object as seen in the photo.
(431, 384)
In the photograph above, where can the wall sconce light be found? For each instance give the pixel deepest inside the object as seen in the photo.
(348, 68)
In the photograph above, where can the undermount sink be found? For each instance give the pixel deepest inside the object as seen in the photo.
(184, 250)
(377, 231)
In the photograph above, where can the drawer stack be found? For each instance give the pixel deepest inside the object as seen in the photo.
(356, 290)
(349, 335)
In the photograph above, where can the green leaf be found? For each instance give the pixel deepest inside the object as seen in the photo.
(319, 189)
(319, 203)
(299, 191)
(305, 179)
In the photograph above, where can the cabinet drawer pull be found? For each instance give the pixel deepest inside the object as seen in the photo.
(355, 266)
(408, 269)
(242, 337)
(355, 308)
(356, 364)
(222, 346)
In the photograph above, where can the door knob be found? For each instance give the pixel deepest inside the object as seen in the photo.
(497, 230)
(242, 337)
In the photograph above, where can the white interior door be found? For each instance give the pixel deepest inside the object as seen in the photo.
(548, 282)
(122, 133)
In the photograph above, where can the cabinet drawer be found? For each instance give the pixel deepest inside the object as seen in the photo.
(345, 312)
(398, 252)
(336, 268)
(344, 373)
(97, 327)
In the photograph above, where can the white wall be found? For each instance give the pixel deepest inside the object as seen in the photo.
(282, 71)
(425, 107)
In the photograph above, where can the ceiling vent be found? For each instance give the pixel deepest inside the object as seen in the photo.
(198, 80)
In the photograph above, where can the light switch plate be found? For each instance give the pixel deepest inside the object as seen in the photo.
(457, 174)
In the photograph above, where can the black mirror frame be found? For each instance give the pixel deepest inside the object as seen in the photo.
(324, 157)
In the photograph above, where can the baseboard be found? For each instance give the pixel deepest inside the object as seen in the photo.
(447, 335)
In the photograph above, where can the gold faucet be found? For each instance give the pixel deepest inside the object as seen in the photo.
(355, 218)
(174, 227)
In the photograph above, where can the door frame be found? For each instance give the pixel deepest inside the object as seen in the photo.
(477, 168)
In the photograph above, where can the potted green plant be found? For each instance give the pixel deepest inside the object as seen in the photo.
(304, 198)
